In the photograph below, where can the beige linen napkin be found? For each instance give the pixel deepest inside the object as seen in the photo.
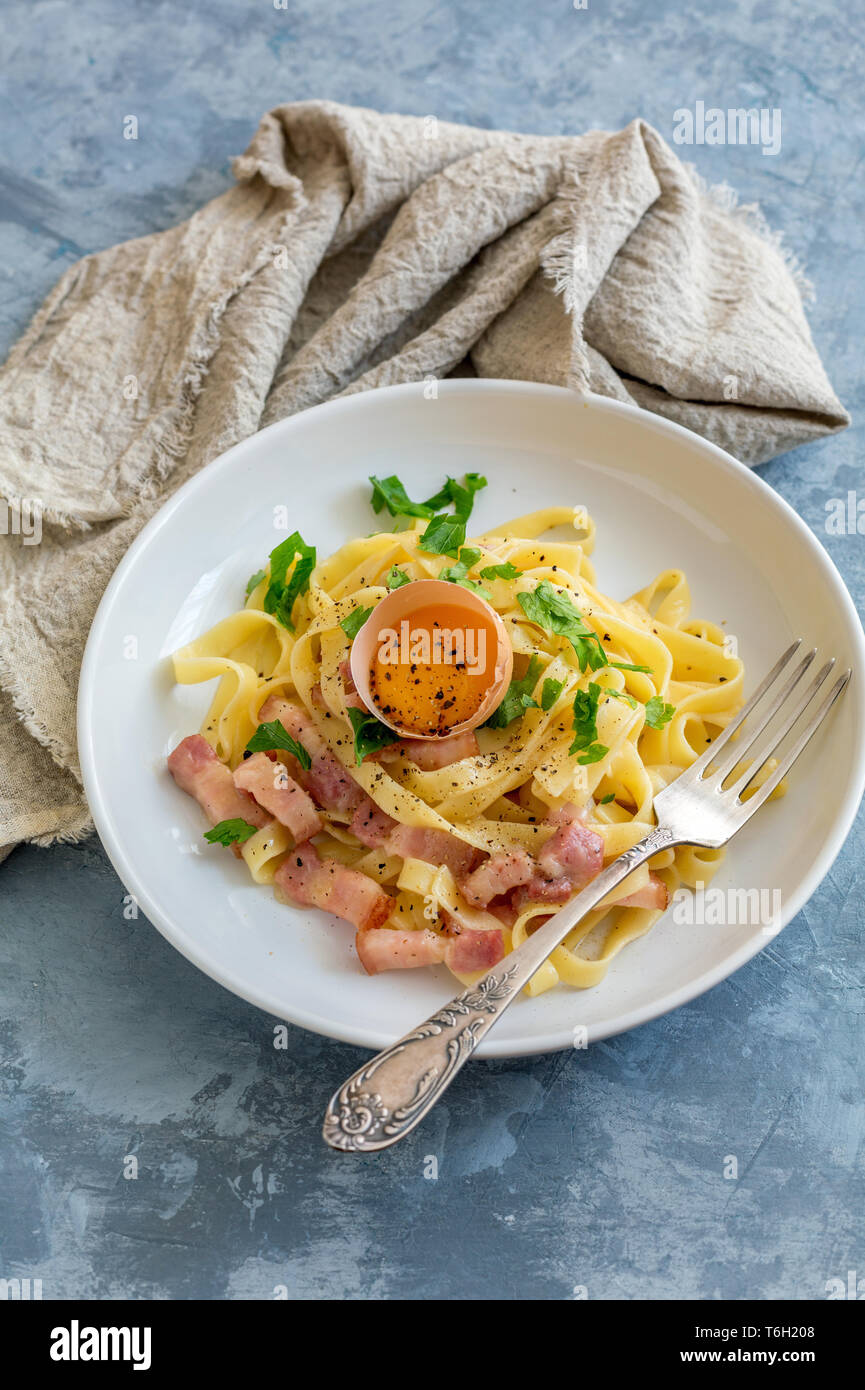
(357, 250)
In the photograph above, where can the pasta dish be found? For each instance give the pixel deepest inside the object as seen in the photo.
(445, 820)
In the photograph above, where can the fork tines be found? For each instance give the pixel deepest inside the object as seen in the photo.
(710, 770)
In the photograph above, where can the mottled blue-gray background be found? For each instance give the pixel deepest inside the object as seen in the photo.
(603, 1169)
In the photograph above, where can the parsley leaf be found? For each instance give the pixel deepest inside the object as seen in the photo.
(444, 535)
(605, 800)
(352, 625)
(505, 571)
(254, 580)
(395, 578)
(468, 557)
(554, 612)
(585, 716)
(458, 573)
(390, 493)
(550, 692)
(622, 695)
(369, 734)
(462, 495)
(230, 832)
(280, 596)
(273, 734)
(594, 753)
(517, 699)
(626, 666)
(446, 531)
(586, 726)
(658, 713)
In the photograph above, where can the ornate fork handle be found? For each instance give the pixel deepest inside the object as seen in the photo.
(389, 1095)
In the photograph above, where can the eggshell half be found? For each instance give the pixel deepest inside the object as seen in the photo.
(401, 603)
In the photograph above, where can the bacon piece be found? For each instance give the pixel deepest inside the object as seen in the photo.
(541, 890)
(474, 950)
(570, 859)
(326, 781)
(430, 754)
(371, 825)
(497, 875)
(573, 851)
(385, 949)
(197, 770)
(654, 895)
(433, 847)
(270, 784)
(376, 829)
(476, 940)
(504, 912)
(352, 699)
(314, 882)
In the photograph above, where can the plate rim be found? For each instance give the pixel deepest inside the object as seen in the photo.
(491, 1048)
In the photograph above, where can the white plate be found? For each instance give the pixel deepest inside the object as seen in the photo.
(661, 497)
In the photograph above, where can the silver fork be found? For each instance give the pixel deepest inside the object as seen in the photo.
(389, 1095)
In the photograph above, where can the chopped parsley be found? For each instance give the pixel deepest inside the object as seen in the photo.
(230, 832)
(627, 666)
(518, 698)
(593, 753)
(505, 571)
(458, 573)
(461, 495)
(554, 612)
(658, 713)
(550, 692)
(369, 734)
(447, 531)
(254, 580)
(273, 734)
(622, 695)
(352, 625)
(605, 800)
(390, 493)
(444, 535)
(586, 726)
(281, 595)
(395, 578)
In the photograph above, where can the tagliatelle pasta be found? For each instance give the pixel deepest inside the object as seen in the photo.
(605, 719)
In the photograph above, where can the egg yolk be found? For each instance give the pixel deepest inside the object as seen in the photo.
(433, 671)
